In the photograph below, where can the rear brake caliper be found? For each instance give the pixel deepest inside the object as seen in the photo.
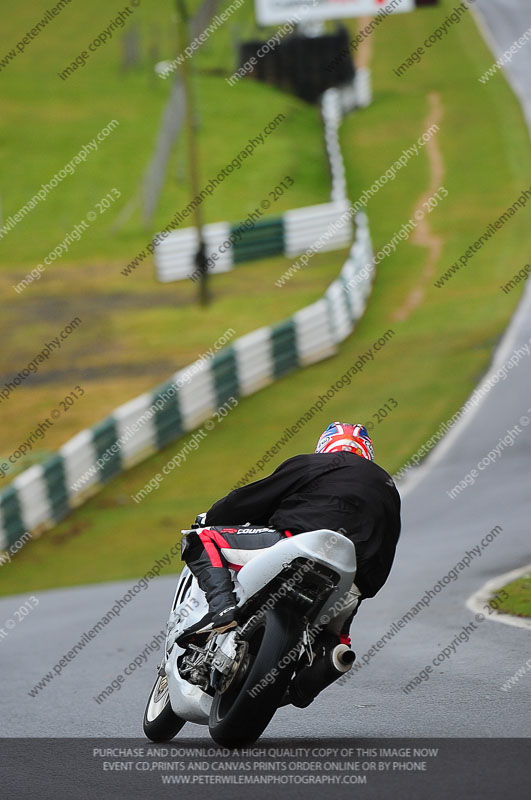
(229, 658)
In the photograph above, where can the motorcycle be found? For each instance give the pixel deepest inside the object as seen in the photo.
(293, 598)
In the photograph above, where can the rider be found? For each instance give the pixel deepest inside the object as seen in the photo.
(338, 487)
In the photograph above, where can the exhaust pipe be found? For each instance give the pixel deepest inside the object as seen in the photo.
(313, 679)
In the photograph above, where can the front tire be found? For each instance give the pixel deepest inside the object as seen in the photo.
(160, 723)
(238, 718)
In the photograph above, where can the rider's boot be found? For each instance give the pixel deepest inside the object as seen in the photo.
(223, 608)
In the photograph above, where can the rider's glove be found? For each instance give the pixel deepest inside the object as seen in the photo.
(199, 521)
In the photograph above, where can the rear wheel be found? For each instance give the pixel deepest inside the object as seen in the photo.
(242, 710)
(160, 723)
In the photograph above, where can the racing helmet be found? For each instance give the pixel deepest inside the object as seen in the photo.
(344, 436)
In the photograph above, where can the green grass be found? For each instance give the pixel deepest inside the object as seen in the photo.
(45, 121)
(135, 332)
(429, 367)
(518, 601)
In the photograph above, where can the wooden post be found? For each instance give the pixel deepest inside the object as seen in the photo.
(193, 151)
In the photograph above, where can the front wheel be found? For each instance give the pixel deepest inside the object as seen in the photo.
(160, 723)
(241, 713)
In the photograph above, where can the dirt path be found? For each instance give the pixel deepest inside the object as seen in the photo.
(423, 236)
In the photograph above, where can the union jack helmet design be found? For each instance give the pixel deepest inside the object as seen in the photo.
(343, 436)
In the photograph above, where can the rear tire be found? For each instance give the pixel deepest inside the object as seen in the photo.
(236, 717)
(160, 723)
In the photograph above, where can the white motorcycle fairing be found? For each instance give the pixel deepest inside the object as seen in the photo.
(328, 548)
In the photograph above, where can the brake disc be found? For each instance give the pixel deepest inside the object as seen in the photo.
(238, 669)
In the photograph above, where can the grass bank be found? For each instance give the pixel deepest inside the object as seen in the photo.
(438, 351)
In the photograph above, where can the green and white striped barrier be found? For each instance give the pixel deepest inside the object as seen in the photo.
(44, 494)
(335, 103)
(228, 245)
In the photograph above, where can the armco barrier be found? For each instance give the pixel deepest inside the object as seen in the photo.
(44, 494)
(335, 103)
(290, 235)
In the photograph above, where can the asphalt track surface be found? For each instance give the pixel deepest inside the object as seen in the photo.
(462, 696)
(503, 22)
